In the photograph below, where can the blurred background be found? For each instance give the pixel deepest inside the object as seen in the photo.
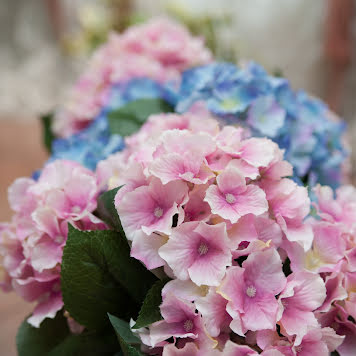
(44, 43)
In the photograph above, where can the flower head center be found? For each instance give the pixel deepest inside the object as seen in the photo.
(203, 249)
(188, 325)
(59, 239)
(251, 291)
(230, 198)
(76, 209)
(158, 212)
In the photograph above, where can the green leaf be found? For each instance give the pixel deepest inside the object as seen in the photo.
(150, 312)
(129, 118)
(53, 338)
(106, 209)
(122, 328)
(125, 336)
(99, 276)
(47, 134)
(40, 341)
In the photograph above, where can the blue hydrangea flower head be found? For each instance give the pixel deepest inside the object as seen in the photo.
(302, 125)
(95, 143)
(89, 146)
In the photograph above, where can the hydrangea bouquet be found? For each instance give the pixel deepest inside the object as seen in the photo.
(172, 217)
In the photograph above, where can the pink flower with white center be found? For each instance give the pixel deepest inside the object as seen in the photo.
(213, 310)
(304, 293)
(251, 291)
(290, 204)
(199, 252)
(180, 320)
(231, 198)
(181, 155)
(151, 208)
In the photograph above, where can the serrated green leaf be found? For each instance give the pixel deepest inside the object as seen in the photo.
(47, 134)
(129, 118)
(53, 338)
(150, 312)
(125, 336)
(106, 209)
(99, 276)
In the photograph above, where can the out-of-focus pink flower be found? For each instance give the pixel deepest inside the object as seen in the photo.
(31, 245)
(159, 49)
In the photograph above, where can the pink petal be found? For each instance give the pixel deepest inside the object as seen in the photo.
(145, 248)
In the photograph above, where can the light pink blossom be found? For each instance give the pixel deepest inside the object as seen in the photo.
(198, 251)
(231, 198)
(251, 291)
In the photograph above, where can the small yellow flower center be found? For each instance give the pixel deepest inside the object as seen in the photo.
(251, 291)
(158, 212)
(188, 325)
(230, 198)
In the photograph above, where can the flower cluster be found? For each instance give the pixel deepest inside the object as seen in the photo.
(310, 134)
(333, 257)
(160, 50)
(31, 245)
(213, 209)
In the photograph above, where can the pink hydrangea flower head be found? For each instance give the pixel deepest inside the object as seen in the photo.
(159, 49)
